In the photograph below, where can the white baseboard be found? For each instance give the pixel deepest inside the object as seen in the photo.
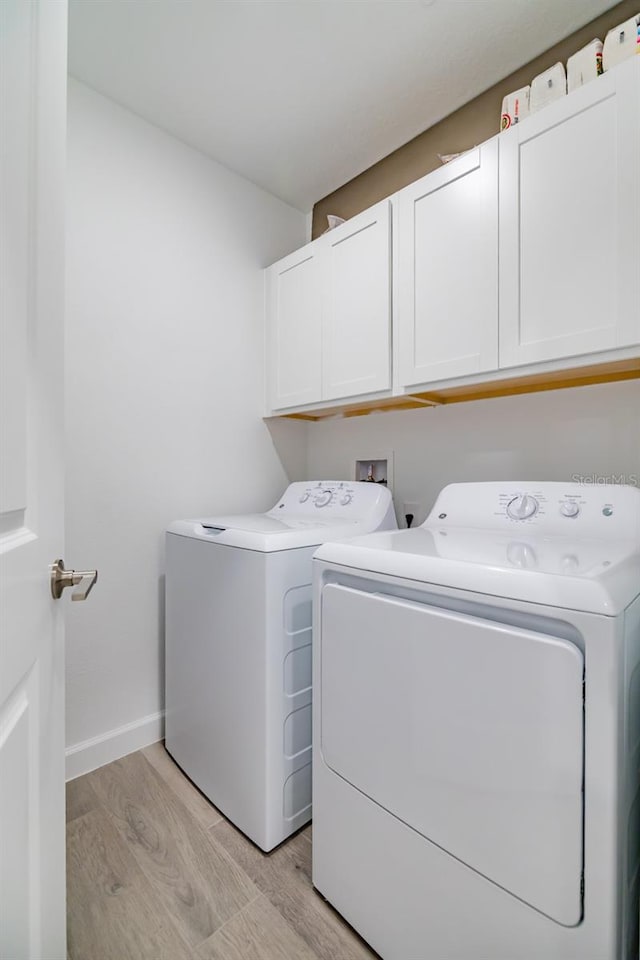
(90, 754)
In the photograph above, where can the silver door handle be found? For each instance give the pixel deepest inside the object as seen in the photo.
(61, 578)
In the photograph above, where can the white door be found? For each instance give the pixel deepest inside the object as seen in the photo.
(570, 224)
(468, 730)
(356, 356)
(448, 270)
(294, 330)
(33, 51)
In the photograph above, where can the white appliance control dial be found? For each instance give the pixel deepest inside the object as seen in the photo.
(324, 498)
(348, 497)
(522, 507)
(569, 508)
(304, 498)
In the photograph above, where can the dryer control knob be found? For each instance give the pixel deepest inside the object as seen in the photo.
(522, 507)
(569, 508)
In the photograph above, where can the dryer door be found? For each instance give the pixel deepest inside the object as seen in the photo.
(469, 731)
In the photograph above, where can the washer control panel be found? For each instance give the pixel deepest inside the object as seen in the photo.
(325, 499)
(554, 508)
(328, 494)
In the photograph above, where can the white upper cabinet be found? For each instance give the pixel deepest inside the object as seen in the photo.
(357, 306)
(329, 315)
(447, 298)
(523, 254)
(294, 329)
(570, 224)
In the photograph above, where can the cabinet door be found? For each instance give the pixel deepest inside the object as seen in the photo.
(570, 224)
(357, 312)
(448, 270)
(294, 329)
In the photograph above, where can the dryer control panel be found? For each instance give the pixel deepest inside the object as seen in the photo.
(607, 511)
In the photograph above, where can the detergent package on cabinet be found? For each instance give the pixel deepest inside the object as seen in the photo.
(547, 87)
(585, 65)
(515, 106)
(621, 42)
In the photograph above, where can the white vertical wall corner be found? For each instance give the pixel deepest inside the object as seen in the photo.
(164, 392)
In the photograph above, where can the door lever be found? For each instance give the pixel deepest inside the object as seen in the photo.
(61, 578)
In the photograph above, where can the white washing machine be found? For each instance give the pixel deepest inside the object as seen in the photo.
(238, 649)
(477, 727)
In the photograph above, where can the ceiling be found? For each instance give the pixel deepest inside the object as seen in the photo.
(299, 96)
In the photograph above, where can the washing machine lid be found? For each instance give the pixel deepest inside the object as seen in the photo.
(306, 515)
(562, 545)
(264, 533)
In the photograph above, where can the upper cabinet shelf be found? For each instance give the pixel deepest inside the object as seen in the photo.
(519, 259)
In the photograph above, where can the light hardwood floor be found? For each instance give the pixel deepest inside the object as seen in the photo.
(155, 872)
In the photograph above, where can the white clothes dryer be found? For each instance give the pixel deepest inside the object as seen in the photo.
(477, 727)
(238, 649)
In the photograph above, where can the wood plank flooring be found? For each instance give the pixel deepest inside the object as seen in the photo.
(155, 872)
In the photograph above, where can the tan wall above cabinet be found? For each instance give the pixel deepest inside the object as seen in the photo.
(472, 124)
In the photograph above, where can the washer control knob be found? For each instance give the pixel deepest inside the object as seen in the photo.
(304, 498)
(348, 497)
(569, 563)
(569, 508)
(324, 498)
(522, 507)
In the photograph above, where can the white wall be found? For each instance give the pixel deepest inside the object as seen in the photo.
(164, 375)
(590, 431)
